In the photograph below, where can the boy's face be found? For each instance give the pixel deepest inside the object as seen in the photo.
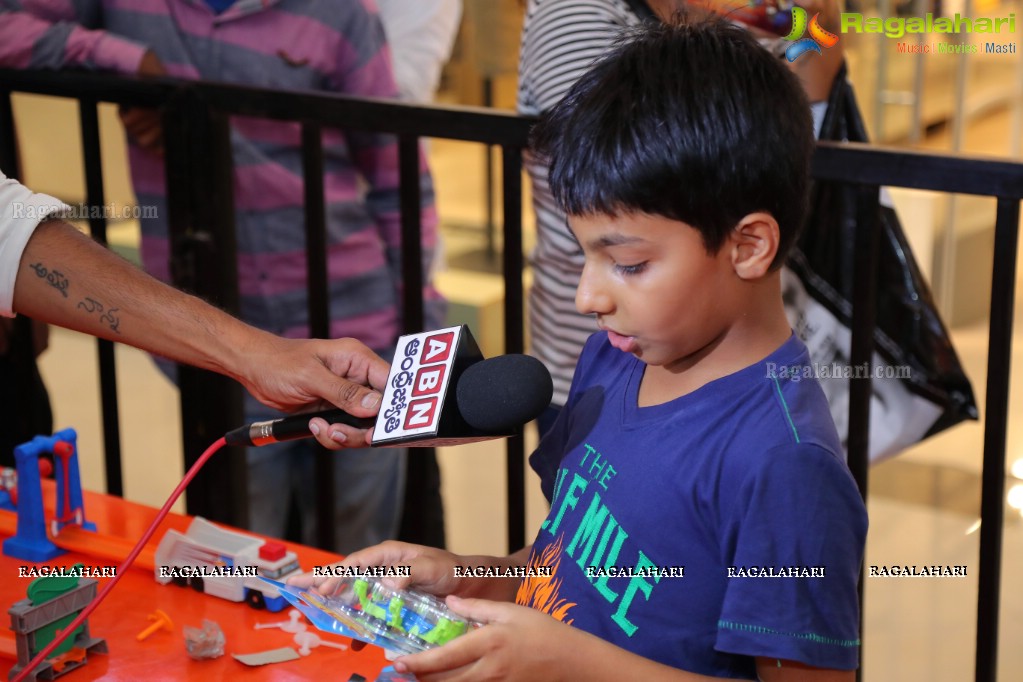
(653, 286)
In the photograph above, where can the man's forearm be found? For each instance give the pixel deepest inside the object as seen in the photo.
(67, 279)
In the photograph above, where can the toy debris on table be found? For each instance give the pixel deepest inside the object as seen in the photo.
(205, 642)
(160, 620)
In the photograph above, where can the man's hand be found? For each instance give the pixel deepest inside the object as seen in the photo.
(143, 125)
(316, 374)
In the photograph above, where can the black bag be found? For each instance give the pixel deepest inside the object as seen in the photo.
(910, 337)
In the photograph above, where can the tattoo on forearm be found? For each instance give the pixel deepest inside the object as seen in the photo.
(108, 317)
(58, 281)
(55, 278)
(112, 320)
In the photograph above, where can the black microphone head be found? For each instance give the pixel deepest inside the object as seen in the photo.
(504, 392)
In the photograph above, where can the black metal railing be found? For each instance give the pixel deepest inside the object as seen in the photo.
(199, 168)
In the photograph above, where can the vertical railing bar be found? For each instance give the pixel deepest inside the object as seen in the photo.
(217, 202)
(514, 332)
(315, 231)
(8, 140)
(95, 198)
(488, 171)
(204, 260)
(319, 307)
(996, 423)
(422, 473)
(411, 233)
(864, 317)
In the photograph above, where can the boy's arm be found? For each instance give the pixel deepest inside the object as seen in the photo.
(58, 34)
(430, 570)
(774, 670)
(519, 643)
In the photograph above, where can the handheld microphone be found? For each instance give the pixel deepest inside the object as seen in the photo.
(290, 428)
(440, 391)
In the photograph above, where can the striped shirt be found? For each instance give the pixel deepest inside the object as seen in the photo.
(327, 45)
(560, 41)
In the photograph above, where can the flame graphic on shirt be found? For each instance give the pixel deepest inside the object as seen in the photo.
(541, 593)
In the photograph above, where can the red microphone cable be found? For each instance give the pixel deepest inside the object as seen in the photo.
(91, 606)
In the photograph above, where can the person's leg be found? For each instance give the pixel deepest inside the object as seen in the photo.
(275, 473)
(24, 400)
(422, 519)
(369, 486)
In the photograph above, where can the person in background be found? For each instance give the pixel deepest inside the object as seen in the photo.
(560, 41)
(421, 34)
(24, 401)
(48, 268)
(331, 46)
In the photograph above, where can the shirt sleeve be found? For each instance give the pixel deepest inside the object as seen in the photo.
(20, 211)
(58, 34)
(798, 513)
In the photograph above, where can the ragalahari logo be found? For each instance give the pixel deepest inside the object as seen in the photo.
(819, 37)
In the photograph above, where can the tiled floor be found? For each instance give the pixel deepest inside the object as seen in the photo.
(923, 504)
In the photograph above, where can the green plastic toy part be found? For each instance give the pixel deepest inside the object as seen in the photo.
(444, 631)
(42, 590)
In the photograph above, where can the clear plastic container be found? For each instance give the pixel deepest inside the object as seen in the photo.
(402, 621)
(415, 619)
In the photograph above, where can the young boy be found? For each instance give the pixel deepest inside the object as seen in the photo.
(703, 522)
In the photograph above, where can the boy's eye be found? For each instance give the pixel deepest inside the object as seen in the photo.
(630, 269)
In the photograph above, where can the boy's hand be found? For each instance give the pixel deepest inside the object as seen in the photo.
(496, 651)
(432, 570)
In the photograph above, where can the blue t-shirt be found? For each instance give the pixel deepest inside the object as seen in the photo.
(740, 479)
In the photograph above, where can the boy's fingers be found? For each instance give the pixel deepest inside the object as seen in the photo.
(453, 655)
(303, 580)
(482, 610)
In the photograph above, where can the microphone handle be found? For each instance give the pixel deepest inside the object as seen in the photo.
(291, 428)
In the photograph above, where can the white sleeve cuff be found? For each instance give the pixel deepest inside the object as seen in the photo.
(20, 211)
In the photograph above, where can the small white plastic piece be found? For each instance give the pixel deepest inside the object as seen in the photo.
(294, 624)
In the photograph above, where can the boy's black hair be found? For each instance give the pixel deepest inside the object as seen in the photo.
(689, 120)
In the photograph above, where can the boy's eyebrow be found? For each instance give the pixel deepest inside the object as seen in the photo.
(614, 239)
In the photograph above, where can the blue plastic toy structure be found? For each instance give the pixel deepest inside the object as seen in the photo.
(30, 542)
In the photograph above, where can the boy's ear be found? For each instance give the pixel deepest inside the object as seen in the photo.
(754, 244)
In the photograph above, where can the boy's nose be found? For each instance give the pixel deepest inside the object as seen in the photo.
(590, 297)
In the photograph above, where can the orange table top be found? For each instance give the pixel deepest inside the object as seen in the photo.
(162, 656)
